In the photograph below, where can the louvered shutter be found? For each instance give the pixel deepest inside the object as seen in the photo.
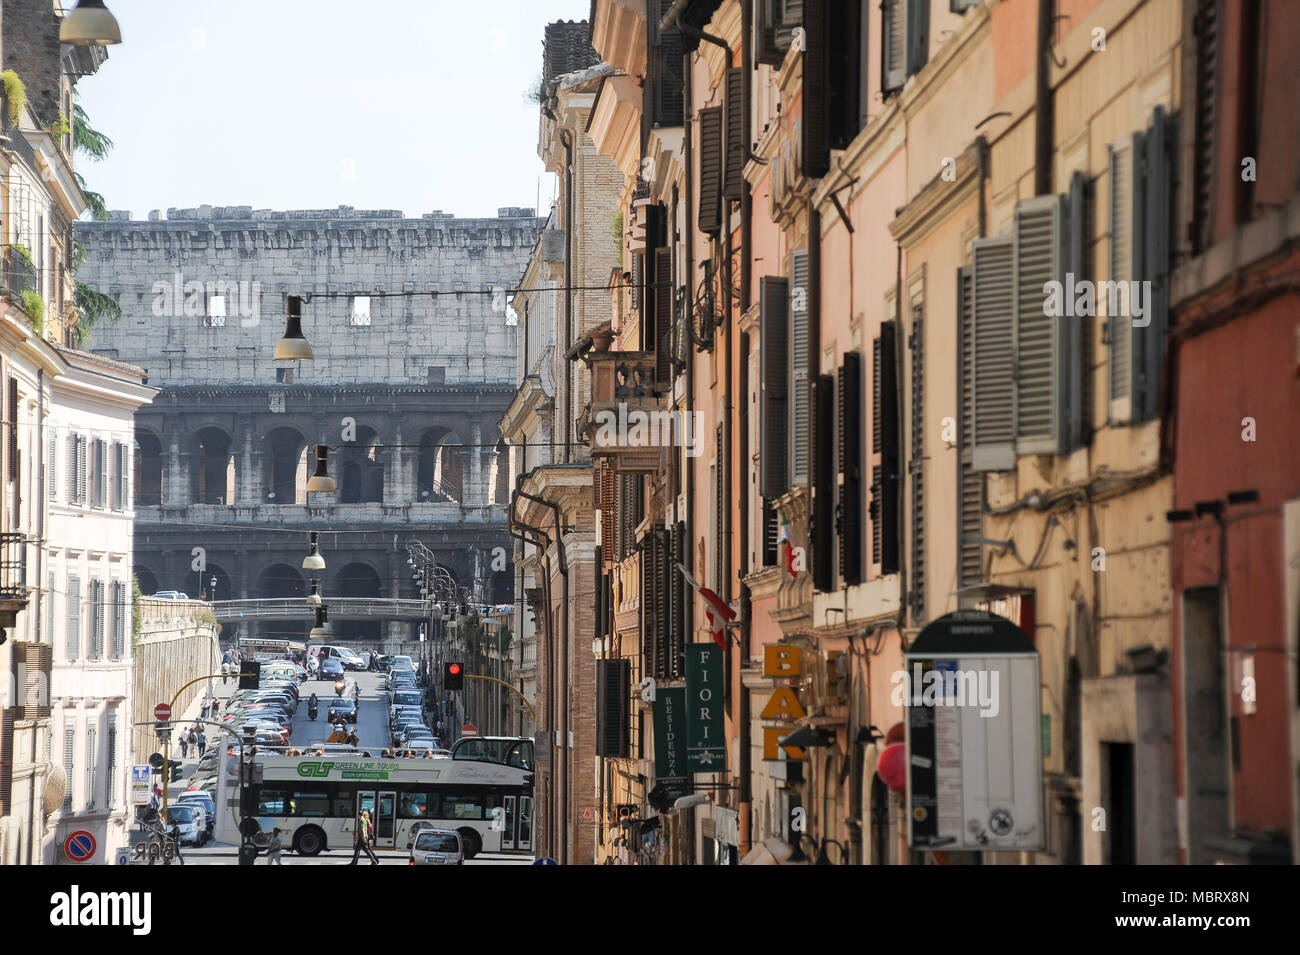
(6, 760)
(849, 445)
(815, 123)
(961, 6)
(799, 395)
(791, 16)
(887, 397)
(822, 531)
(51, 467)
(916, 467)
(1041, 340)
(1205, 28)
(893, 48)
(918, 35)
(710, 212)
(771, 532)
(663, 86)
(112, 762)
(97, 619)
(124, 479)
(679, 621)
(650, 649)
(663, 324)
(766, 16)
(1149, 339)
(720, 511)
(993, 355)
(1077, 359)
(73, 619)
(970, 490)
(613, 686)
(71, 481)
(101, 472)
(82, 465)
(735, 148)
(1118, 332)
(638, 285)
(774, 345)
(13, 429)
(69, 764)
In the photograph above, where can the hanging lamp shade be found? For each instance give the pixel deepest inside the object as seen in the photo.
(321, 629)
(294, 345)
(313, 598)
(321, 482)
(90, 24)
(313, 560)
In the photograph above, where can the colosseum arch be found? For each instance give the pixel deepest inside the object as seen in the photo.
(148, 469)
(284, 466)
(361, 469)
(212, 476)
(440, 475)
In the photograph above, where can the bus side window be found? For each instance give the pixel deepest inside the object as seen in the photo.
(270, 803)
(342, 805)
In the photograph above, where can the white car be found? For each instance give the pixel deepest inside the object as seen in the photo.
(190, 820)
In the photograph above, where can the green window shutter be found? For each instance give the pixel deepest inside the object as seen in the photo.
(799, 396)
(889, 509)
(735, 149)
(1149, 339)
(710, 212)
(993, 397)
(774, 347)
(1041, 341)
(1118, 331)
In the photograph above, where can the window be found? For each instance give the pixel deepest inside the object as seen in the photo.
(360, 310)
(97, 620)
(52, 457)
(710, 212)
(74, 618)
(284, 376)
(117, 607)
(774, 336)
(309, 803)
(216, 316)
(111, 782)
(271, 802)
(98, 474)
(662, 89)
(92, 758)
(69, 764)
(904, 41)
(799, 395)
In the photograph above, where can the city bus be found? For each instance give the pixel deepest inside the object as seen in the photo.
(314, 800)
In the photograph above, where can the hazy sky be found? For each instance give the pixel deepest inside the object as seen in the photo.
(306, 104)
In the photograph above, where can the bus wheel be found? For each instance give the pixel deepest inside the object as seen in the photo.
(308, 841)
(469, 838)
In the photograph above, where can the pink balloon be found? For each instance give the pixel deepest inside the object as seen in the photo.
(892, 766)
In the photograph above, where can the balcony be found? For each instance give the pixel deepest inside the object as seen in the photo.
(19, 272)
(626, 419)
(13, 577)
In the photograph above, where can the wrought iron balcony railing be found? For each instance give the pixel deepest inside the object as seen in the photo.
(13, 567)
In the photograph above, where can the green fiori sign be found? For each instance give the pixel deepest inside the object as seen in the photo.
(706, 746)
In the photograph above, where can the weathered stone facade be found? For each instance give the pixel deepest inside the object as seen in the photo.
(406, 387)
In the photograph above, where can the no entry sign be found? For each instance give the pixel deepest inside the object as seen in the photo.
(162, 712)
(469, 729)
(80, 846)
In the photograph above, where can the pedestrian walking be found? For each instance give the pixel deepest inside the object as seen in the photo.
(364, 837)
(176, 843)
(273, 848)
(203, 742)
(225, 673)
(185, 745)
(216, 707)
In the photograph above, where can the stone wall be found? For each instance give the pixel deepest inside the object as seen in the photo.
(175, 645)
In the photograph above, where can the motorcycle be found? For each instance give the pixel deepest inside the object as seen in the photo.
(312, 705)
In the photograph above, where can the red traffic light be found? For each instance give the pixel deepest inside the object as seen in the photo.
(453, 668)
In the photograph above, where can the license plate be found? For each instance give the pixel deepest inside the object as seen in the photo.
(433, 860)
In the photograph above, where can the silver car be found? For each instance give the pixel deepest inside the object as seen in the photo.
(437, 847)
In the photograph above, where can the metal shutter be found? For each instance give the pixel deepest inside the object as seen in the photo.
(971, 482)
(916, 467)
(993, 355)
(822, 529)
(73, 619)
(1149, 339)
(613, 686)
(735, 149)
(849, 446)
(774, 347)
(799, 395)
(893, 48)
(1118, 331)
(918, 35)
(1039, 387)
(815, 122)
(887, 480)
(710, 212)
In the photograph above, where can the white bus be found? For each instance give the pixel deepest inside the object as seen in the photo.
(314, 800)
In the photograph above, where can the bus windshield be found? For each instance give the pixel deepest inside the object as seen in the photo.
(514, 751)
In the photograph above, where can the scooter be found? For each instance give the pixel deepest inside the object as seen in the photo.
(312, 707)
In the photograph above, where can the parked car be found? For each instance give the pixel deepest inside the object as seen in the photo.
(437, 847)
(171, 595)
(205, 800)
(420, 744)
(189, 820)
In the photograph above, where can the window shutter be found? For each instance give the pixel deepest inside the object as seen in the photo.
(638, 285)
(893, 49)
(97, 619)
(7, 718)
(961, 6)
(1149, 339)
(652, 662)
(771, 531)
(734, 145)
(799, 395)
(663, 323)
(720, 498)
(815, 124)
(72, 469)
(918, 35)
(13, 429)
(710, 213)
(82, 464)
(1118, 332)
(970, 492)
(111, 787)
(891, 451)
(663, 85)
(91, 755)
(1205, 28)
(679, 621)
(124, 479)
(916, 468)
(774, 345)
(1078, 341)
(993, 355)
(74, 619)
(69, 765)
(1041, 342)
(849, 446)
(613, 686)
(791, 16)
(822, 531)
(766, 16)
(51, 466)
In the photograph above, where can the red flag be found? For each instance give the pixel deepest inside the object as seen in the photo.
(718, 610)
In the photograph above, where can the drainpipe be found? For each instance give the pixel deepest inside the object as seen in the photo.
(1043, 102)
(744, 796)
(673, 19)
(564, 657)
(899, 344)
(566, 137)
(688, 159)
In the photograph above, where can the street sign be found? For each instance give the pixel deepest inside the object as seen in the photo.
(974, 743)
(80, 846)
(140, 784)
(469, 729)
(545, 861)
(706, 745)
(162, 712)
(123, 855)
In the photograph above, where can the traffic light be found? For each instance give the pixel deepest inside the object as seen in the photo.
(453, 676)
(250, 675)
(175, 766)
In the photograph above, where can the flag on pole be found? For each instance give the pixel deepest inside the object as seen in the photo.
(718, 610)
(787, 546)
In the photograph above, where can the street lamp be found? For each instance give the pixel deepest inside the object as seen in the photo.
(90, 24)
(321, 482)
(313, 560)
(294, 345)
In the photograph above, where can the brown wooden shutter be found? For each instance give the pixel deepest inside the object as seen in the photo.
(1205, 28)
(771, 531)
(889, 509)
(720, 498)
(613, 691)
(679, 621)
(1149, 340)
(735, 149)
(849, 432)
(774, 346)
(663, 323)
(822, 530)
(815, 122)
(766, 18)
(710, 212)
